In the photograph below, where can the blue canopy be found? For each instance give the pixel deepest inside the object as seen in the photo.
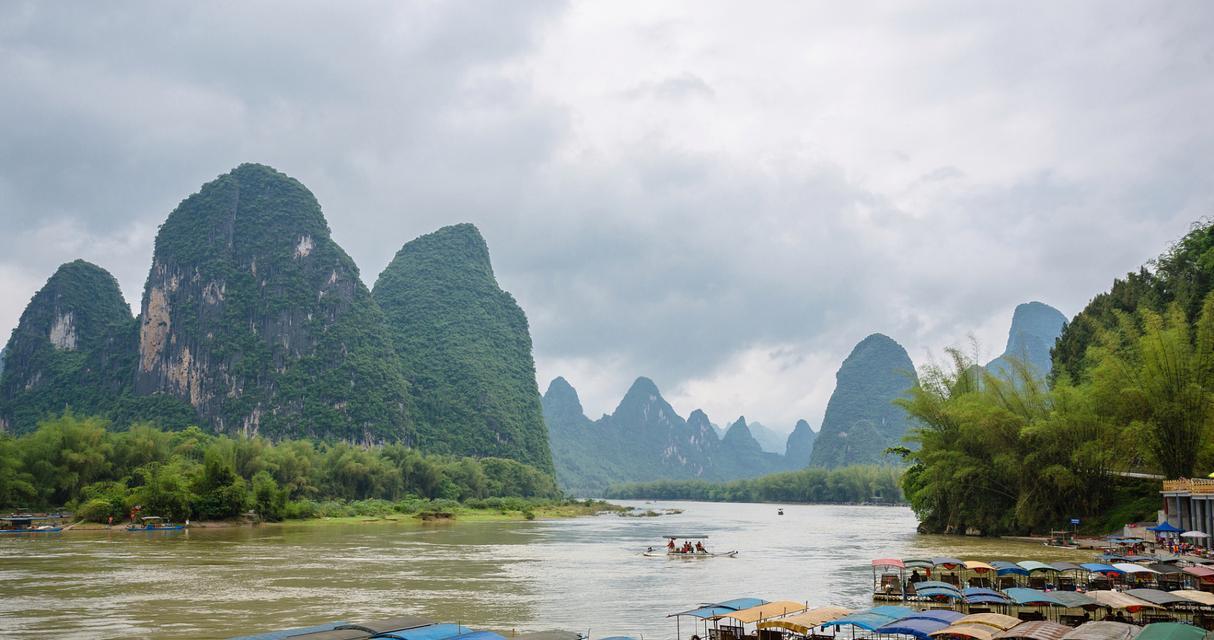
(1021, 595)
(1100, 567)
(716, 609)
(1165, 527)
(985, 599)
(1003, 568)
(919, 626)
(871, 619)
(282, 634)
(941, 615)
(431, 632)
(937, 592)
(480, 635)
(935, 584)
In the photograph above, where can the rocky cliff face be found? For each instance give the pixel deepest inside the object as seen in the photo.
(800, 445)
(465, 348)
(69, 349)
(258, 319)
(861, 418)
(1035, 329)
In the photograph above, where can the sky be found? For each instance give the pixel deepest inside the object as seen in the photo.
(725, 197)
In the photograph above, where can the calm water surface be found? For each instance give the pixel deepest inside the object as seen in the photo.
(578, 574)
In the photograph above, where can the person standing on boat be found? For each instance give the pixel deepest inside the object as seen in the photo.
(670, 545)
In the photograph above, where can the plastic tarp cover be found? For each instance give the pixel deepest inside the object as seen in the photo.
(871, 619)
(1155, 596)
(804, 622)
(718, 608)
(1205, 573)
(1200, 597)
(945, 561)
(1100, 567)
(1005, 568)
(937, 592)
(1032, 566)
(287, 633)
(1103, 630)
(1171, 631)
(1035, 630)
(1073, 600)
(888, 562)
(1065, 566)
(1119, 600)
(936, 584)
(1130, 567)
(975, 565)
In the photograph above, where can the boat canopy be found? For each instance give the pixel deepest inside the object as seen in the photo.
(1162, 598)
(1103, 630)
(1165, 527)
(1200, 597)
(687, 536)
(936, 584)
(1129, 567)
(1140, 558)
(945, 561)
(1025, 596)
(1033, 566)
(1119, 600)
(982, 595)
(918, 564)
(1171, 631)
(1099, 567)
(975, 565)
(920, 625)
(1005, 568)
(996, 620)
(389, 624)
(766, 610)
(1073, 600)
(281, 634)
(888, 562)
(1035, 630)
(1166, 568)
(550, 634)
(871, 619)
(975, 631)
(1203, 572)
(805, 621)
(937, 592)
(432, 632)
(709, 610)
(480, 635)
(1065, 566)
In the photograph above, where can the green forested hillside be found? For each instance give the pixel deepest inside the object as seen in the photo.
(75, 346)
(254, 316)
(465, 348)
(871, 484)
(84, 465)
(861, 418)
(1133, 391)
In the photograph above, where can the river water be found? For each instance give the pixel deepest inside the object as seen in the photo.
(577, 574)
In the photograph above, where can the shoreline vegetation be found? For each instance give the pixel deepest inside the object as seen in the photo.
(84, 466)
(857, 484)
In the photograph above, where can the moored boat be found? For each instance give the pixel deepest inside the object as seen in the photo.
(27, 524)
(154, 523)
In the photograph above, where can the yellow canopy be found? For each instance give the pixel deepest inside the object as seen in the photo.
(1199, 596)
(975, 565)
(769, 610)
(996, 620)
(975, 631)
(802, 623)
(1119, 600)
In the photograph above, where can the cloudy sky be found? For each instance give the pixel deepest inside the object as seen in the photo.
(722, 196)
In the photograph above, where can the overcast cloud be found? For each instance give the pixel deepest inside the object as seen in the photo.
(725, 197)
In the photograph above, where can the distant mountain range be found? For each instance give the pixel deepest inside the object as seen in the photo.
(646, 439)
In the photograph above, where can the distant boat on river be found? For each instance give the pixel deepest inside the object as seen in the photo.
(155, 523)
(25, 524)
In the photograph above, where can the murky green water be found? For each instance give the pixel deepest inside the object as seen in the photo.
(580, 574)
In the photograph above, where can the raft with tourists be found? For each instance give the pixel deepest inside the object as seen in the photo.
(686, 550)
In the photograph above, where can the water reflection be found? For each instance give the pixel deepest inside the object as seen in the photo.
(583, 574)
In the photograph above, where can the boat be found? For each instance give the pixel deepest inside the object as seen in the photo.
(1062, 540)
(155, 523)
(779, 512)
(26, 524)
(672, 550)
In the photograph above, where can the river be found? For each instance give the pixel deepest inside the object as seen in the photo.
(578, 574)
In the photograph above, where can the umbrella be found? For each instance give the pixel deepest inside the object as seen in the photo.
(1195, 534)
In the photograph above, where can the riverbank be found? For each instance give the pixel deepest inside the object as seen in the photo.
(452, 514)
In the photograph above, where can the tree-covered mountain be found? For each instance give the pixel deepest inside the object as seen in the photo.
(74, 348)
(1035, 328)
(861, 418)
(465, 349)
(645, 439)
(800, 445)
(258, 319)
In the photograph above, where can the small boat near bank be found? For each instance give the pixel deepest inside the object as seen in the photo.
(18, 524)
(154, 523)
